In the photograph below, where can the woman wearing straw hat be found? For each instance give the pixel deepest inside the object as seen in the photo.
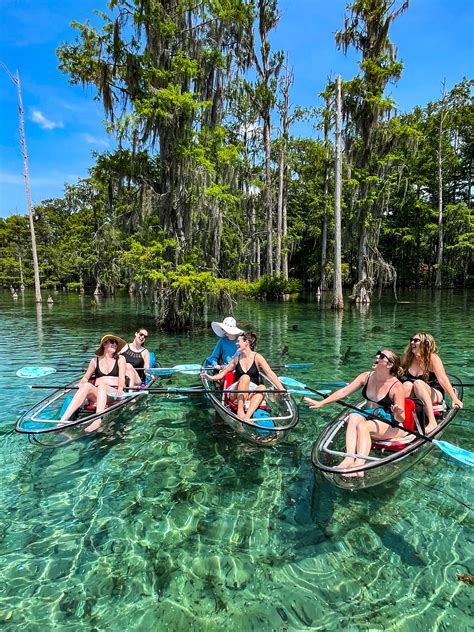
(107, 369)
(226, 346)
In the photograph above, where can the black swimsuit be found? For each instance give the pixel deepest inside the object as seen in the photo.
(135, 358)
(385, 402)
(432, 380)
(252, 372)
(113, 373)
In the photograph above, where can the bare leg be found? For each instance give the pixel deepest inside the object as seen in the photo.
(422, 391)
(135, 379)
(256, 399)
(242, 385)
(86, 391)
(351, 440)
(101, 405)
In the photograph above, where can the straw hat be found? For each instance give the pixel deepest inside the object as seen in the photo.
(227, 326)
(103, 340)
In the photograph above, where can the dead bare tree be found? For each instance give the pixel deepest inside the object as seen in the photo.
(338, 300)
(16, 81)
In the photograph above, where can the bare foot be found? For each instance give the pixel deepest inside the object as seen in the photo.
(353, 474)
(348, 462)
(94, 425)
(430, 427)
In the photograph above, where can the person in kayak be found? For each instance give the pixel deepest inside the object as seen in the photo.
(226, 347)
(425, 377)
(107, 369)
(382, 389)
(137, 358)
(247, 366)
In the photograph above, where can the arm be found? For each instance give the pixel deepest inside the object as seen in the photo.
(213, 359)
(89, 372)
(227, 369)
(436, 365)
(354, 386)
(398, 399)
(264, 367)
(122, 363)
(146, 359)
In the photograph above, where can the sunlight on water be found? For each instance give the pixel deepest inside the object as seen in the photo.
(166, 520)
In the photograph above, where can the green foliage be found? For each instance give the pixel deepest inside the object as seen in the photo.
(274, 287)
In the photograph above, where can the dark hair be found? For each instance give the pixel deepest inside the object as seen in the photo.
(251, 338)
(396, 368)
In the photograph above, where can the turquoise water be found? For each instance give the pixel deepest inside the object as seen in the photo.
(167, 521)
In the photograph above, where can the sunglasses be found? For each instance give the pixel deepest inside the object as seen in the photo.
(379, 354)
(143, 335)
(113, 342)
(415, 340)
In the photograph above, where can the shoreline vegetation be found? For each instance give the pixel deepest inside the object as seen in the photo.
(210, 196)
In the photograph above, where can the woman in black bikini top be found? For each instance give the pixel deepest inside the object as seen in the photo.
(247, 379)
(425, 376)
(386, 392)
(385, 402)
(106, 358)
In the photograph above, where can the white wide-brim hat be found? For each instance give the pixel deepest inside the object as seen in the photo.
(227, 326)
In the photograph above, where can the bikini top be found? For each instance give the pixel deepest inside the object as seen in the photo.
(113, 373)
(252, 372)
(385, 402)
(432, 380)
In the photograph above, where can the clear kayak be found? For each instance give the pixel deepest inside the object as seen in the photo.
(44, 416)
(269, 425)
(386, 460)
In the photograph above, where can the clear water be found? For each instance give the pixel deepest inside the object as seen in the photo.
(166, 521)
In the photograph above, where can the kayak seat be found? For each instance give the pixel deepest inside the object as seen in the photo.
(413, 413)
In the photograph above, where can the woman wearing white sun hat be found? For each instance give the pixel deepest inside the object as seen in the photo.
(226, 346)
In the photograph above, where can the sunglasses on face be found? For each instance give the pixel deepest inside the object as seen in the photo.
(415, 340)
(382, 355)
(112, 342)
(143, 335)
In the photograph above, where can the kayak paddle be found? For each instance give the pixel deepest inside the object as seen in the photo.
(42, 371)
(454, 451)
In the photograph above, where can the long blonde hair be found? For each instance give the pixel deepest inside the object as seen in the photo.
(427, 348)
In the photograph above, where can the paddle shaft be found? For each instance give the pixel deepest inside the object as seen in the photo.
(171, 389)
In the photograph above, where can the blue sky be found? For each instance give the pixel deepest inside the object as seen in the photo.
(64, 124)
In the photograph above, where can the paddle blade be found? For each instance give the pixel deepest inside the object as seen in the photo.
(190, 369)
(459, 454)
(35, 371)
(289, 381)
(303, 365)
(115, 395)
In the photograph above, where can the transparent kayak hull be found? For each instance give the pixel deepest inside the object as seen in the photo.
(382, 465)
(44, 416)
(268, 431)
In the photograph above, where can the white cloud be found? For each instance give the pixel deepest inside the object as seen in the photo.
(93, 140)
(43, 122)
